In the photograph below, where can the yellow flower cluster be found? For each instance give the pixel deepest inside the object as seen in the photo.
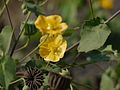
(52, 44)
(107, 4)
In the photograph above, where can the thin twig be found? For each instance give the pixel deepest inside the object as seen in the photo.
(33, 50)
(112, 17)
(43, 2)
(24, 46)
(71, 87)
(8, 13)
(91, 8)
(97, 65)
(15, 44)
(29, 53)
(73, 46)
(18, 80)
(3, 8)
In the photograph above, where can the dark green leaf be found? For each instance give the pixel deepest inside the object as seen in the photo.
(5, 38)
(7, 71)
(69, 32)
(30, 28)
(92, 22)
(32, 6)
(97, 56)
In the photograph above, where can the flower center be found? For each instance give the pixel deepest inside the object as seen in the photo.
(51, 27)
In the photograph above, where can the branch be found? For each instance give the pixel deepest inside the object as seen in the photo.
(15, 44)
(112, 17)
(73, 46)
(8, 13)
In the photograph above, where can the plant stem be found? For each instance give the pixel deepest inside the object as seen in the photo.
(34, 49)
(8, 13)
(29, 53)
(112, 17)
(1, 12)
(71, 87)
(24, 46)
(47, 64)
(91, 8)
(43, 2)
(15, 44)
(73, 46)
(21, 79)
(97, 65)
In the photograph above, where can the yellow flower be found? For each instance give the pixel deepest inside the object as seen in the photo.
(53, 48)
(107, 4)
(50, 24)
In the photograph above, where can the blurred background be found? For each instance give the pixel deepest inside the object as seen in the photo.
(74, 12)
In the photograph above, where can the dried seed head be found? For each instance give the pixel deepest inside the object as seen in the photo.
(58, 82)
(34, 78)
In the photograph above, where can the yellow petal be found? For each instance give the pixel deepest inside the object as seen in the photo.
(62, 49)
(44, 51)
(43, 38)
(58, 40)
(53, 48)
(41, 23)
(62, 26)
(52, 57)
(107, 4)
(54, 19)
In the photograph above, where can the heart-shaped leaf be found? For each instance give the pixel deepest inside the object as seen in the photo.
(93, 36)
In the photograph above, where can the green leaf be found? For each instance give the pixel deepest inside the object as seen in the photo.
(32, 6)
(69, 32)
(7, 71)
(106, 83)
(97, 56)
(93, 36)
(5, 39)
(30, 28)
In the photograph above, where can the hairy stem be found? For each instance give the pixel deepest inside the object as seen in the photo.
(18, 80)
(73, 46)
(112, 17)
(29, 53)
(33, 50)
(3, 8)
(91, 8)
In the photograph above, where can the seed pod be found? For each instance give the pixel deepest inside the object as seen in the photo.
(58, 82)
(34, 78)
